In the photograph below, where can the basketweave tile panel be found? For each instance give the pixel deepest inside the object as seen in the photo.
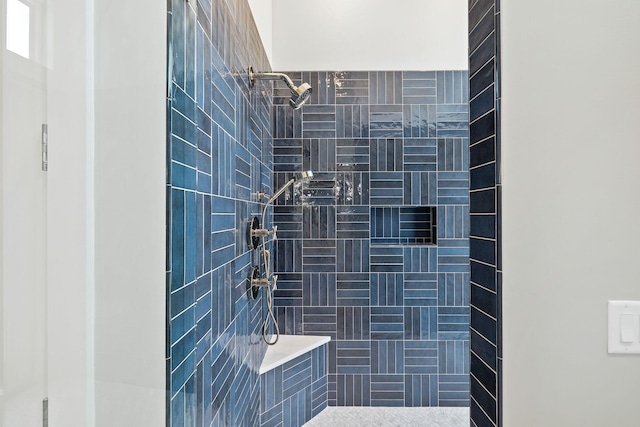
(379, 241)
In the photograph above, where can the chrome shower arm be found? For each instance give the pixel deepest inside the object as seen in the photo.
(253, 76)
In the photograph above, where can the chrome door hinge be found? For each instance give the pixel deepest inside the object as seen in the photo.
(45, 147)
(45, 412)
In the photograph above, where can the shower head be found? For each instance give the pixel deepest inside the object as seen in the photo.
(299, 94)
(304, 176)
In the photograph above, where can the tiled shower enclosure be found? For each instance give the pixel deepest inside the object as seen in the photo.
(374, 252)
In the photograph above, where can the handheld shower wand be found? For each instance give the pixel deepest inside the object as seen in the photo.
(305, 176)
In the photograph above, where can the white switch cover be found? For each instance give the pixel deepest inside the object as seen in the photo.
(624, 327)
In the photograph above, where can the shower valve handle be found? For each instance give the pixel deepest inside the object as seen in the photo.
(263, 232)
(266, 282)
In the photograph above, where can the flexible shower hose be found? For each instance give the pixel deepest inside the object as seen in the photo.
(265, 325)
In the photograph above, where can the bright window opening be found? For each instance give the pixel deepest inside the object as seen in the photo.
(18, 19)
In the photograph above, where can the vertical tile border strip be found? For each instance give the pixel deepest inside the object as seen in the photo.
(485, 208)
(498, 76)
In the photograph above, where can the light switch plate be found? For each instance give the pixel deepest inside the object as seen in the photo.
(619, 318)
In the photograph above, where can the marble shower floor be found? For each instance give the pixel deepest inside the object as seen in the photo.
(390, 417)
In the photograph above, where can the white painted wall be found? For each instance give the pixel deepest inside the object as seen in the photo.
(262, 11)
(370, 35)
(570, 203)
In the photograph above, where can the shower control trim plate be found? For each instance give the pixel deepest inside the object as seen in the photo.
(252, 290)
(252, 237)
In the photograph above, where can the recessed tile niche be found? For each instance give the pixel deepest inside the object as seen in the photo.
(407, 225)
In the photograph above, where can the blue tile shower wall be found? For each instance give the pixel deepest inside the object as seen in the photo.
(354, 262)
(219, 154)
(485, 208)
(295, 392)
